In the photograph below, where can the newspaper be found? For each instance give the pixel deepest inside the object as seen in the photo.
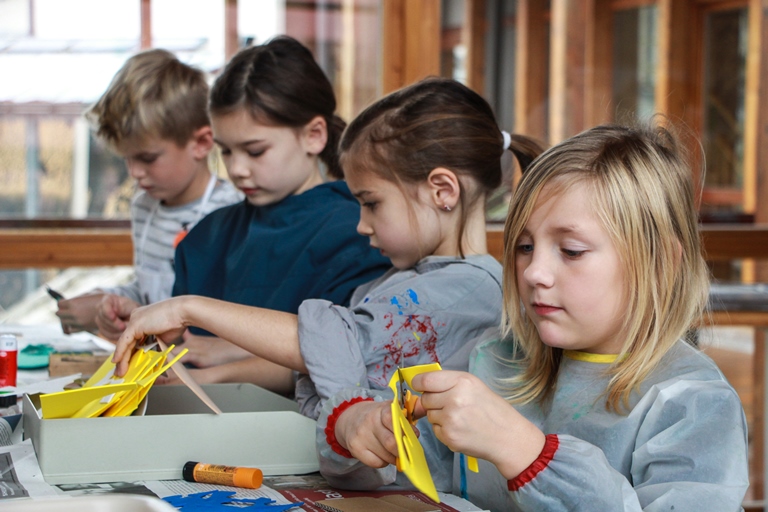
(21, 477)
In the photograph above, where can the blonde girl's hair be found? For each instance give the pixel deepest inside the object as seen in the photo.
(153, 96)
(641, 189)
(436, 122)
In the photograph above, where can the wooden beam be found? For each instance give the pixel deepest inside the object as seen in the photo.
(49, 246)
(410, 42)
(62, 248)
(679, 75)
(598, 63)
(145, 41)
(231, 37)
(473, 36)
(532, 63)
(721, 242)
(567, 69)
(393, 44)
(760, 7)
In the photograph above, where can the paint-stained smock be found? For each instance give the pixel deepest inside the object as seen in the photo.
(430, 313)
(682, 446)
(278, 255)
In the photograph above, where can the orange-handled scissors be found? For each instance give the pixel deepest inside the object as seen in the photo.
(410, 454)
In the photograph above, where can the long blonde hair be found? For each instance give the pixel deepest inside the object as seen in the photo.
(642, 193)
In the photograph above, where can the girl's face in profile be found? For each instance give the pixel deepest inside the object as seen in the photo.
(268, 163)
(569, 274)
(402, 228)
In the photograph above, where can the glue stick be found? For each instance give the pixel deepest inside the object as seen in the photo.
(250, 478)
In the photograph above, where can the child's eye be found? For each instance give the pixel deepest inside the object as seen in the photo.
(256, 154)
(146, 159)
(371, 205)
(226, 152)
(570, 253)
(525, 248)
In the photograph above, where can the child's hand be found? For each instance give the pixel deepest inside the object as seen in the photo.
(365, 429)
(468, 417)
(78, 313)
(163, 319)
(112, 315)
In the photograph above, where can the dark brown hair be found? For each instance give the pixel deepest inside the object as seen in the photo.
(280, 83)
(437, 122)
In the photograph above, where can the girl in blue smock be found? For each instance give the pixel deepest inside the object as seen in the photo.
(591, 399)
(294, 236)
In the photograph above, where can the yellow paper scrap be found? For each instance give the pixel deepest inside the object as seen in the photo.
(104, 394)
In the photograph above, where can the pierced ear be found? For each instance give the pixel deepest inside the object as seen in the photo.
(314, 135)
(202, 142)
(444, 188)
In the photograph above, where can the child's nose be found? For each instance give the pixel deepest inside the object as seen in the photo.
(363, 227)
(237, 168)
(135, 169)
(538, 272)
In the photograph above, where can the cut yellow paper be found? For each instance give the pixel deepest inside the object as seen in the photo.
(128, 403)
(66, 403)
(124, 407)
(409, 373)
(148, 380)
(410, 455)
(105, 395)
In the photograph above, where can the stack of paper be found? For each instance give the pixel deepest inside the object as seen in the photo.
(104, 394)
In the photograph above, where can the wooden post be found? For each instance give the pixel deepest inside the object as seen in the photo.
(145, 41)
(598, 63)
(231, 38)
(567, 69)
(532, 58)
(410, 42)
(757, 98)
(678, 73)
(473, 36)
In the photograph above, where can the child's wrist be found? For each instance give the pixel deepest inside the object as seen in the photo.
(519, 454)
(336, 442)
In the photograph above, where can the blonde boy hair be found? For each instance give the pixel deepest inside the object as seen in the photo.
(641, 190)
(153, 95)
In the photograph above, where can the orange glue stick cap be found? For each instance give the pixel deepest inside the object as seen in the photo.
(250, 478)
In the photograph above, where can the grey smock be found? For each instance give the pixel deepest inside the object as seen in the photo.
(682, 446)
(428, 313)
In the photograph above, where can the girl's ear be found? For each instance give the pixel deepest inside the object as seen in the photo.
(314, 135)
(202, 142)
(444, 188)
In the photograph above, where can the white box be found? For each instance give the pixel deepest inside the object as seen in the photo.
(258, 429)
(107, 503)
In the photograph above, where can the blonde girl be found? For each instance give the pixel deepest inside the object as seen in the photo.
(591, 399)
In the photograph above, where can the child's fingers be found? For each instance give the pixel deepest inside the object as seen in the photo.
(125, 345)
(418, 410)
(375, 457)
(454, 389)
(436, 382)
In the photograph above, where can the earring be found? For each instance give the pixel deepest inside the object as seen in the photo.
(446, 208)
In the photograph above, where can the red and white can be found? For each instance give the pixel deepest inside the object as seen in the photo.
(9, 347)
